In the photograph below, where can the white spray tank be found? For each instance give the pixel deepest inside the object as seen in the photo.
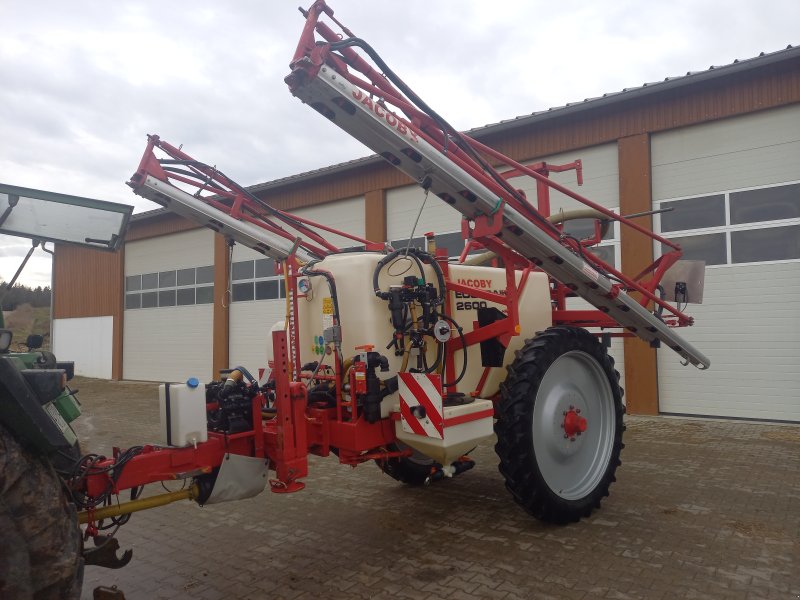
(183, 413)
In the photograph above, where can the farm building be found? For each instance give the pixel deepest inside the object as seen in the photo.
(720, 146)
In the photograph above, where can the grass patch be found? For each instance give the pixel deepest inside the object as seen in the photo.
(26, 320)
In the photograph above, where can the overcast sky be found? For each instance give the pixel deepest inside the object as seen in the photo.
(82, 83)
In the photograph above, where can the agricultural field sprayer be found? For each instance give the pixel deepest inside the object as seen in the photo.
(403, 357)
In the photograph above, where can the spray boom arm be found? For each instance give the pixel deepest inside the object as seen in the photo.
(376, 107)
(203, 194)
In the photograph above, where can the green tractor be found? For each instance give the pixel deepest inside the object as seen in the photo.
(41, 547)
(41, 554)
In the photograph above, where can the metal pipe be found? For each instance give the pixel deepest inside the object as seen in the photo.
(557, 219)
(52, 254)
(649, 212)
(13, 200)
(11, 283)
(22, 266)
(133, 506)
(479, 259)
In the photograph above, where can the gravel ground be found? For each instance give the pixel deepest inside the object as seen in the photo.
(701, 509)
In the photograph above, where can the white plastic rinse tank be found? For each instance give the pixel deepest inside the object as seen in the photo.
(183, 413)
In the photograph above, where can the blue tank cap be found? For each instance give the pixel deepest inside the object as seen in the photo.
(192, 382)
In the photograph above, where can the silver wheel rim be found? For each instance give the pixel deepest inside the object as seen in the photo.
(573, 466)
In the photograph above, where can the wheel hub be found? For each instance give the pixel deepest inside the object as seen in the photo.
(574, 424)
(571, 456)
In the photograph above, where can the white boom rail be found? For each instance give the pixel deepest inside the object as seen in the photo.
(196, 210)
(384, 131)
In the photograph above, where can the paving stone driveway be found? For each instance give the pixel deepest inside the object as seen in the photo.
(701, 509)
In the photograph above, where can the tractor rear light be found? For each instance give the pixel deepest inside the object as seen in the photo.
(46, 384)
(68, 366)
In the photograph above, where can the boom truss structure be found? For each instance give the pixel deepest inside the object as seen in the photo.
(199, 192)
(378, 109)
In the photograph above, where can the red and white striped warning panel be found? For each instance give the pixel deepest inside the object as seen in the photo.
(421, 404)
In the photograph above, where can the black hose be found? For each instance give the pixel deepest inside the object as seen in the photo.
(437, 362)
(447, 129)
(437, 269)
(463, 350)
(387, 259)
(285, 217)
(331, 285)
(419, 257)
(85, 466)
(246, 373)
(659, 310)
(335, 299)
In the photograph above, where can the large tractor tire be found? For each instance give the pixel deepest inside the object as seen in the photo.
(559, 427)
(40, 552)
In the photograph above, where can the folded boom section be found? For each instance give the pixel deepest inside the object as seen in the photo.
(404, 131)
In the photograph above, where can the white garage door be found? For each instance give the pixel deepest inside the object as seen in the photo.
(258, 295)
(344, 215)
(735, 188)
(258, 301)
(169, 295)
(601, 185)
(403, 206)
(88, 341)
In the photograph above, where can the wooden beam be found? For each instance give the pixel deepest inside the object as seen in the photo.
(375, 215)
(88, 282)
(635, 195)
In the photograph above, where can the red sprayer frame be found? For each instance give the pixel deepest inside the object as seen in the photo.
(496, 217)
(285, 435)
(375, 90)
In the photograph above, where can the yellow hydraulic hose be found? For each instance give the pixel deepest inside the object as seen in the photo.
(406, 354)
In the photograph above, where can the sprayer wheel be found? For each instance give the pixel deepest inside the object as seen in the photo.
(559, 427)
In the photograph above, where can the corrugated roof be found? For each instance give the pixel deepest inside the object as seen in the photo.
(669, 83)
(344, 166)
(150, 213)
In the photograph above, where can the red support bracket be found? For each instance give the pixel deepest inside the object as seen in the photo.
(291, 456)
(486, 225)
